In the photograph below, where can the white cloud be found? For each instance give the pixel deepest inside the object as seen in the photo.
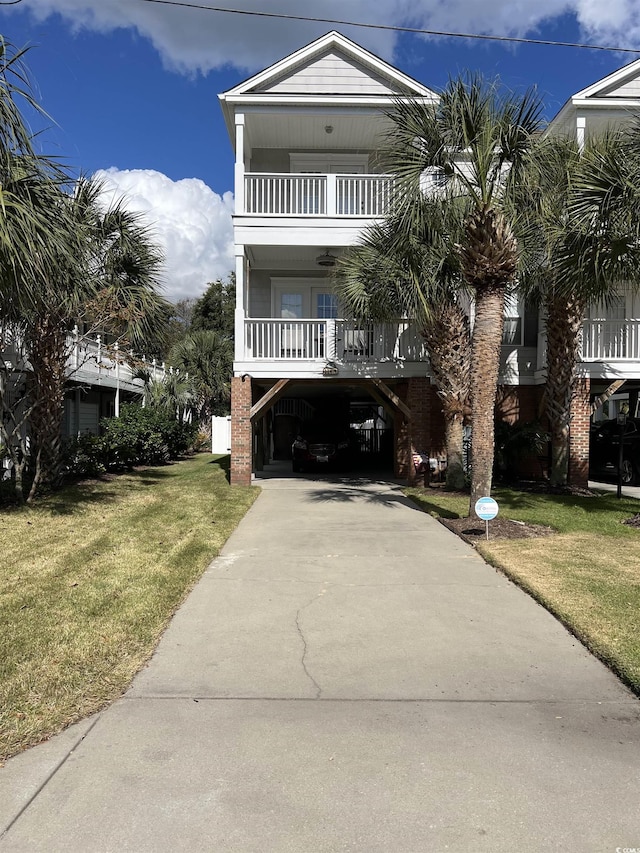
(186, 218)
(191, 40)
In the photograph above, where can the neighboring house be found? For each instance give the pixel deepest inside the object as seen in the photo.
(305, 133)
(100, 378)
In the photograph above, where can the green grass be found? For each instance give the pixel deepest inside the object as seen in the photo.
(90, 577)
(587, 573)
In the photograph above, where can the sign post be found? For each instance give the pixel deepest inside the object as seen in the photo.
(486, 509)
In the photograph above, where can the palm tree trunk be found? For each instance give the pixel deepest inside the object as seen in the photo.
(564, 336)
(448, 341)
(454, 435)
(48, 357)
(485, 356)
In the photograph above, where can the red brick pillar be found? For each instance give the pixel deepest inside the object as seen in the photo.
(241, 431)
(416, 434)
(579, 434)
(402, 455)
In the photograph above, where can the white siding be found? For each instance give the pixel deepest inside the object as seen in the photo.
(628, 89)
(89, 417)
(333, 74)
(260, 294)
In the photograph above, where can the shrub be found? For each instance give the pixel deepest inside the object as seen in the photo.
(146, 436)
(137, 437)
(83, 456)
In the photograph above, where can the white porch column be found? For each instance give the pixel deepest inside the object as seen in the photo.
(330, 341)
(241, 300)
(581, 127)
(332, 195)
(116, 408)
(239, 167)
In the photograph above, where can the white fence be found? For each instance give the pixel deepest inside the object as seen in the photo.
(221, 434)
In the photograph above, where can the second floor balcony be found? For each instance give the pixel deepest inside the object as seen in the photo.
(611, 340)
(328, 195)
(332, 340)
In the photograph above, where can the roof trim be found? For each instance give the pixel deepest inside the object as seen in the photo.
(320, 45)
(627, 71)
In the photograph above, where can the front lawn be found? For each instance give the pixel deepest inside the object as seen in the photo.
(587, 573)
(89, 579)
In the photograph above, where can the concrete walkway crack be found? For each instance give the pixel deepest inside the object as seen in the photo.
(305, 646)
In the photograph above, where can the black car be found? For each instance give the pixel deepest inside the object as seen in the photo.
(604, 449)
(318, 448)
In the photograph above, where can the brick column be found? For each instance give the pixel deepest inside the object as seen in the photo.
(241, 432)
(415, 435)
(402, 452)
(579, 434)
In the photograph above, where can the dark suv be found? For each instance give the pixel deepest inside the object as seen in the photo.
(321, 446)
(604, 449)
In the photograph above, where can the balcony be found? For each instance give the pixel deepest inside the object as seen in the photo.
(316, 195)
(611, 340)
(332, 340)
(92, 362)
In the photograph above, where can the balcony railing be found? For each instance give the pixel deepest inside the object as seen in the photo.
(339, 340)
(317, 195)
(611, 340)
(92, 360)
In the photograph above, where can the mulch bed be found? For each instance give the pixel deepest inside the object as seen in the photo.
(473, 530)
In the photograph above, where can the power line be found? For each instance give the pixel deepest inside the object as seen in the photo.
(415, 30)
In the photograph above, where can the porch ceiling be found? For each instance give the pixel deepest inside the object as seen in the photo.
(297, 129)
(288, 257)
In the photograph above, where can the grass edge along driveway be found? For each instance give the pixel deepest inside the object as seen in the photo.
(587, 573)
(89, 579)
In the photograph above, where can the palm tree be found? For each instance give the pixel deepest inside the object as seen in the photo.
(33, 234)
(394, 273)
(207, 357)
(173, 394)
(105, 277)
(580, 233)
(476, 139)
(63, 260)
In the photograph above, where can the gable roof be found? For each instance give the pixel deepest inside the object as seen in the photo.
(623, 83)
(620, 89)
(322, 62)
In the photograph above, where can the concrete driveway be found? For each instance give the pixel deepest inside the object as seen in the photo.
(348, 675)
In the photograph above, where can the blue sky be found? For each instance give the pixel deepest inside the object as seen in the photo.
(133, 87)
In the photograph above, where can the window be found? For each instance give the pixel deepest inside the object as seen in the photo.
(291, 306)
(326, 306)
(513, 313)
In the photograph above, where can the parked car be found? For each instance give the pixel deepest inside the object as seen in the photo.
(604, 449)
(321, 447)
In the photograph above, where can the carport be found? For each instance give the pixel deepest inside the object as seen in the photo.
(388, 419)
